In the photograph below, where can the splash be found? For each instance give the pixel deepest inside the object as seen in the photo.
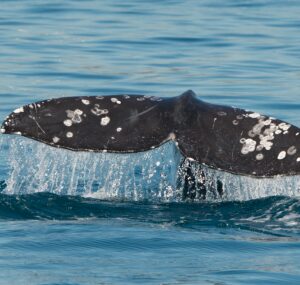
(36, 167)
(159, 175)
(242, 188)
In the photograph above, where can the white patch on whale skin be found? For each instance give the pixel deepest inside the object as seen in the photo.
(281, 155)
(55, 139)
(119, 129)
(254, 115)
(78, 111)
(155, 99)
(75, 115)
(19, 110)
(291, 150)
(259, 147)
(2, 131)
(68, 123)
(172, 136)
(69, 135)
(105, 121)
(221, 113)
(85, 101)
(298, 159)
(248, 146)
(190, 159)
(259, 156)
(97, 111)
(267, 122)
(115, 100)
(284, 126)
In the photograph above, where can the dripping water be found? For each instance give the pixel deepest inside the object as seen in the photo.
(159, 175)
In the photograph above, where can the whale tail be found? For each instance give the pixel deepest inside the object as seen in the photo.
(220, 137)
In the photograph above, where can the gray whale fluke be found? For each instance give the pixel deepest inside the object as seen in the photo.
(221, 137)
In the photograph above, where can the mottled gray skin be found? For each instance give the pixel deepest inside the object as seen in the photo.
(221, 137)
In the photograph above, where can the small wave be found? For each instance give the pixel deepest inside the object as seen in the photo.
(278, 216)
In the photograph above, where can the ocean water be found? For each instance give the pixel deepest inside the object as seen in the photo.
(79, 218)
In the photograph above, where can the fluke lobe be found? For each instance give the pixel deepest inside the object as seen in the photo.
(221, 137)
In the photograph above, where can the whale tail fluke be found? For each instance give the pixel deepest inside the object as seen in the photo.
(220, 137)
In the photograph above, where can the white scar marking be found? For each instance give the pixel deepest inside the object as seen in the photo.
(267, 122)
(248, 146)
(68, 123)
(291, 150)
(19, 110)
(105, 121)
(259, 156)
(119, 129)
(55, 139)
(85, 102)
(297, 134)
(142, 113)
(75, 115)
(115, 100)
(259, 147)
(298, 159)
(213, 126)
(221, 113)
(281, 155)
(38, 125)
(69, 134)
(284, 126)
(97, 111)
(172, 136)
(254, 115)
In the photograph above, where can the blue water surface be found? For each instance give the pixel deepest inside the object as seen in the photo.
(235, 52)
